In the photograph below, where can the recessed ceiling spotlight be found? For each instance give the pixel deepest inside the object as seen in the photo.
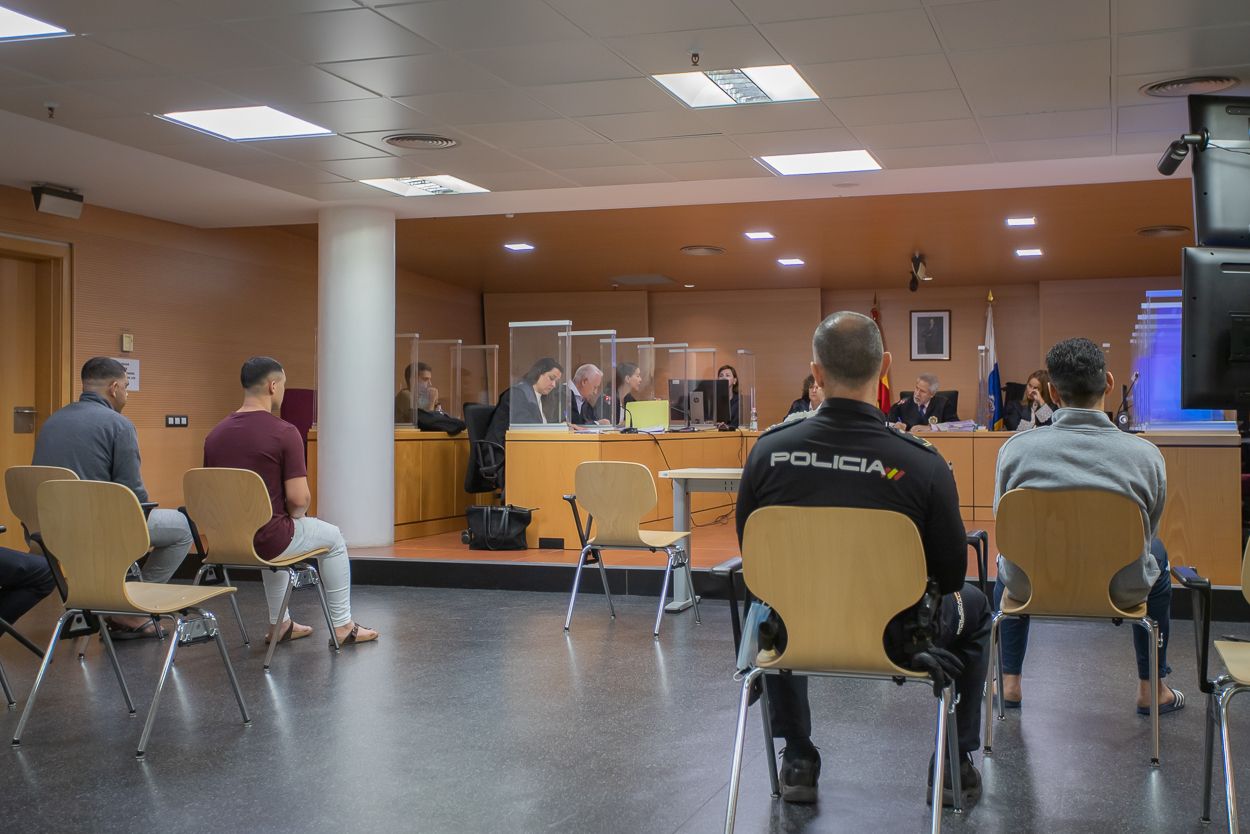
(790, 261)
(519, 247)
(828, 162)
(246, 124)
(751, 85)
(700, 250)
(688, 286)
(1028, 253)
(1021, 221)
(759, 235)
(17, 26)
(426, 186)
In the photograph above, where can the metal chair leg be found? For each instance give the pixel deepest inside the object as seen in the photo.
(117, 667)
(43, 669)
(160, 687)
(694, 598)
(325, 606)
(659, 612)
(603, 575)
(234, 604)
(275, 630)
(80, 644)
(735, 774)
(8, 693)
(225, 659)
(1230, 786)
(939, 761)
(770, 749)
(992, 675)
(1208, 760)
(7, 628)
(577, 578)
(952, 749)
(1152, 636)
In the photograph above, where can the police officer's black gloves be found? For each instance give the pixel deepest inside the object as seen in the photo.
(942, 666)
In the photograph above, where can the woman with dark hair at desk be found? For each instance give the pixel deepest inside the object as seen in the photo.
(628, 383)
(804, 402)
(1034, 409)
(729, 372)
(525, 398)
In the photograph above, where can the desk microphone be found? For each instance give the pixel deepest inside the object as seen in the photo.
(630, 429)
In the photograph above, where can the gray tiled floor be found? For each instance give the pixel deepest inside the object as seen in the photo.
(475, 713)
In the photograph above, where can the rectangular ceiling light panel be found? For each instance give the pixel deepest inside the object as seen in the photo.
(17, 26)
(426, 186)
(752, 85)
(828, 162)
(1021, 221)
(244, 124)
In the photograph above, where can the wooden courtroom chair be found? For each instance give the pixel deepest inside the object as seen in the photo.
(97, 529)
(229, 506)
(1235, 655)
(1070, 543)
(618, 495)
(797, 560)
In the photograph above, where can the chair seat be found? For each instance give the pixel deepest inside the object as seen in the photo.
(650, 538)
(771, 659)
(1236, 657)
(158, 598)
(1011, 605)
(232, 561)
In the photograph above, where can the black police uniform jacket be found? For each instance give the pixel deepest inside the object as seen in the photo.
(845, 456)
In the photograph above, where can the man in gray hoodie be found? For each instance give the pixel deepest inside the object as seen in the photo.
(1082, 449)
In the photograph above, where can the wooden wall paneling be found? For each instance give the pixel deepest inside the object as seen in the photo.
(1201, 523)
(957, 450)
(439, 484)
(18, 292)
(410, 481)
(985, 468)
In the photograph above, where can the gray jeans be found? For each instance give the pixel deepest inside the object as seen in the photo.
(334, 567)
(171, 541)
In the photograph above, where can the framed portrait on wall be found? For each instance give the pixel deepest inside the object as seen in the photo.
(930, 334)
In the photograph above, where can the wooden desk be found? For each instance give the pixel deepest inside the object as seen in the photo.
(541, 466)
(1201, 523)
(429, 482)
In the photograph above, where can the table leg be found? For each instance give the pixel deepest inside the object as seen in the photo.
(681, 523)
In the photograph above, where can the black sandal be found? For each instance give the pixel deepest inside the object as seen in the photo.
(351, 636)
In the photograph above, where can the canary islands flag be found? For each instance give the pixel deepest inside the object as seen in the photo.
(994, 380)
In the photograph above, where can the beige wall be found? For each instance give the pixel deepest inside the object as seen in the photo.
(198, 302)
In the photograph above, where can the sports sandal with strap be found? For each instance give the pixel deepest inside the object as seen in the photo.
(351, 636)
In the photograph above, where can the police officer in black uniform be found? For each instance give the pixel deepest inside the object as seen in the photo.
(846, 456)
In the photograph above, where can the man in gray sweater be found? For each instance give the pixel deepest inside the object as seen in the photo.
(1082, 449)
(92, 438)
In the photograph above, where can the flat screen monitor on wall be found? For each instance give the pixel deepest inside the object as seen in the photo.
(1221, 170)
(1215, 328)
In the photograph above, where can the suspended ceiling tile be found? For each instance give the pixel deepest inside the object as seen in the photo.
(323, 37)
(416, 75)
(716, 169)
(797, 141)
(970, 154)
(630, 126)
(509, 105)
(945, 132)
(598, 98)
(235, 9)
(612, 18)
(377, 139)
(85, 17)
(523, 181)
(192, 49)
(1070, 147)
(1165, 116)
(466, 160)
(73, 105)
(384, 167)
(1035, 79)
(143, 131)
(279, 86)
(1150, 15)
(880, 76)
(565, 62)
(73, 59)
(1128, 87)
(535, 134)
(730, 48)
(853, 37)
(772, 11)
(480, 24)
(1154, 143)
(163, 94)
(362, 115)
(318, 148)
(1183, 49)
(900, 108)
(1053, 125)
(616, 175)
(689, 149)
(603, 155)
(1002, 23)
(335, 191)
(757, 118)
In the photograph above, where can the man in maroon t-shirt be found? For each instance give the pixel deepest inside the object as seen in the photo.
(254, 438)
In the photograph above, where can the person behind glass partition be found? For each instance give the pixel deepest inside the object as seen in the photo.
(730, 373)
(804, 402)
(586, 397)
(427, 394)
(628, 384)
(526, 395)
(1034, 409)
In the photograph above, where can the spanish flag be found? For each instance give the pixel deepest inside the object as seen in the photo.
(883, 387)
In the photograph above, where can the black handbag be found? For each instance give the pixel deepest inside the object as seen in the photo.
(497, 528)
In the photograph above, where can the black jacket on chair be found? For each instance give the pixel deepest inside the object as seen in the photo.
(908, 413)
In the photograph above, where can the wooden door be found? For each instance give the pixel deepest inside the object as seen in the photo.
(19, 281)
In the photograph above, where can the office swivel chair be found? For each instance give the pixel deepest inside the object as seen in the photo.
(950, 396)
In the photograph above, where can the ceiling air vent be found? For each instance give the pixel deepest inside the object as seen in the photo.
(703, 250)
(1194, 85)
(1163, 230)
(421, 141)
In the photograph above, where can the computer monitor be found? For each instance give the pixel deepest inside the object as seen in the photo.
(1215, 328)
(1221, 170)
(698, 401)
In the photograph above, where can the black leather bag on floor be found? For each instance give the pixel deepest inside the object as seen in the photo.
(497, 528)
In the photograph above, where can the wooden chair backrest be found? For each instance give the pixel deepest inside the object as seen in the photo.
(618, 494)
(97, 531)
(228, 506)
(22, 485)
(836, 576)
(1070, 543)
(1245, 572)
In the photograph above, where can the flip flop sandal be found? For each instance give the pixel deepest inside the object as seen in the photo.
(145, 631)
(1164, 709)
(351, 636)
(289, 634)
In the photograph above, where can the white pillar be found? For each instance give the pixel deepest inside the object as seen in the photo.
(356, 373)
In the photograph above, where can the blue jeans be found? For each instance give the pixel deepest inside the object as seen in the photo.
(1013, 632)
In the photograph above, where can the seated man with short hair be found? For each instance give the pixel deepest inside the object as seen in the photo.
(923, 408)
(1082, 449)
(586, 397)
(255, 438)
(92, 438)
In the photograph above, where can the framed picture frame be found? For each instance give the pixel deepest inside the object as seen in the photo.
(930, 334)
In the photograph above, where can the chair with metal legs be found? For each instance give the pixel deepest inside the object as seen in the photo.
(229, 506)
(798, 560)
(1070, 543)
(1220, 690)
(617, 495)
(587, 556)
(96, 529)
